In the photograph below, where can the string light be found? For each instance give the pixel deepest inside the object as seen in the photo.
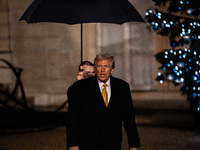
(180, 66)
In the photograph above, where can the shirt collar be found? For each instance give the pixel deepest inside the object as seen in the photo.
(101, 83)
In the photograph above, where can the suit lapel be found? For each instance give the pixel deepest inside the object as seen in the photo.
(114, 92)
(97, 92)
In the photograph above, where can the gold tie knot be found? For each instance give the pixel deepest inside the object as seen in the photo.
(105, 94)
(104, 85)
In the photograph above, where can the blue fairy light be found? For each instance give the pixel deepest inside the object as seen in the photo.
(170, 77)
(173, 43)
(159, 73)
(167, 25)
(180, 64)
(166, 56)
(195, 78)
(150, 11)
(159, 15)
(194, 88)
(156, 25)
(174, 70)
(176, 67)
(198, 109)
(187, 88)
(182, 79)
(194, 94)
(179, 8)
(177, 81)
(181, 2)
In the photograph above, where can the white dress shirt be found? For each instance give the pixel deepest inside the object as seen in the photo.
(108, 88)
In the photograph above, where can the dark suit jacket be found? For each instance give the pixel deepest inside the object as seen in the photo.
(92, 125)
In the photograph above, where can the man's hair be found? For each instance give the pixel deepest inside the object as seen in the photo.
(104, 56)
(88, 63)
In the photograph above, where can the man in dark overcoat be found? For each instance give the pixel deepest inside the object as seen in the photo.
(98, 107)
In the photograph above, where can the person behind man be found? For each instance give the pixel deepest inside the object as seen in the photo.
(97, 108)
(86, 70)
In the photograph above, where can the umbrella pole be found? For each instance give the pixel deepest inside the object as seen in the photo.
(81, 42)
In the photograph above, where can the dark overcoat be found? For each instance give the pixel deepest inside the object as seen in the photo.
(93, 126)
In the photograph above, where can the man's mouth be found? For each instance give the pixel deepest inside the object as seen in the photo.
(102, 75)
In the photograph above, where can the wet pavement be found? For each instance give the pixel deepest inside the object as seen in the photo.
(158, 130)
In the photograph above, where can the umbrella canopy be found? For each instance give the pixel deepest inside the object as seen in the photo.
(81, 11)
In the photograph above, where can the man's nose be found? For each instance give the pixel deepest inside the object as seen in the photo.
(102, 69)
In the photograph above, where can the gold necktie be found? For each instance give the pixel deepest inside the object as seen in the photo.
(105, 94)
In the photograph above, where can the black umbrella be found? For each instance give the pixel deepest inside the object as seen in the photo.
(81, 11)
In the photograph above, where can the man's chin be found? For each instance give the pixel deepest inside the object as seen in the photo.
(103, 79)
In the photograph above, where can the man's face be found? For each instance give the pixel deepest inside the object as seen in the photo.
(103, 70)
(88, 71)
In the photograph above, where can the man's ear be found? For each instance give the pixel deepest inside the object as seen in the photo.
(112, 70)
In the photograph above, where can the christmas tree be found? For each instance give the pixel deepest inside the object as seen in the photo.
(180, 21)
